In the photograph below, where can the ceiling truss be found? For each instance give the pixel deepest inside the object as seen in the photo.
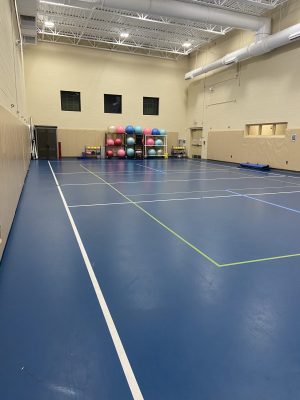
(101, 28)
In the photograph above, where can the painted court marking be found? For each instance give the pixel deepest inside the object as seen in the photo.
(208, 191)
(155, 201)
(131, 380)
(152, 169)
(182, 239)
(154, 218)
(267, 202)
(157, 181)
(184, 199)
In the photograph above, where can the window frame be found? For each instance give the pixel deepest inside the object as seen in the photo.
(260, 128)
(61, 100)
(105, 104)
(157, 105)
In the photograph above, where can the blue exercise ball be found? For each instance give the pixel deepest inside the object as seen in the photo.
(129, 130)
(159, 142)
(163, 132)
(155, 131)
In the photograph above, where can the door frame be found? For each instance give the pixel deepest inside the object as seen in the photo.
(36, 127)
(195, 128)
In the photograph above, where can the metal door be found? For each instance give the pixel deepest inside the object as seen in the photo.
(46, 142)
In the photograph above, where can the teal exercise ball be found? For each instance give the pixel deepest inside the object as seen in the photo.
(130, 141)
(151, 152)
(130, 152)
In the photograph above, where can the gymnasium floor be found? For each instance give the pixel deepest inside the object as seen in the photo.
(167, 279)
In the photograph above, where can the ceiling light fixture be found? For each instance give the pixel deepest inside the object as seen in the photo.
(186, 45)
(124, 35)
(49, 24)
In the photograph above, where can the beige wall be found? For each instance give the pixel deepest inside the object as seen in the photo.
(73, 141)
(262, 89)
(50, 68)
(14, 134)
(279, 152)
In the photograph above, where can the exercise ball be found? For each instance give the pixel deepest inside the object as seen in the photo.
(151, 152)
(109, 153)
(112, 129)
(118, 142)
(160, 152)
(150, 142)
(129, 129)
(130, 152)
(163, 132)
(130, 141)
(147, 131)
(159, 142)
(155, 131)
(121, 153)
(110, 142)
(138, 130)
(120, 129)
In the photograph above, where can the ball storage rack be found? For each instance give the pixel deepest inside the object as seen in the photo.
(163, 147)
(114, 147)
(137, 146)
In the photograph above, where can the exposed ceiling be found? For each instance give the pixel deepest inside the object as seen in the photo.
(156, 36)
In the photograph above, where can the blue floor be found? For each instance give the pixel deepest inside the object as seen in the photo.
(199, 264)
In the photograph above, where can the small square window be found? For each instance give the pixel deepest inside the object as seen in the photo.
(70, 101)
(113, 103)
(150, 105)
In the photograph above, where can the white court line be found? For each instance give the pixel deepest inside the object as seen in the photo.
(129, 374)
(166, 180)
(208, 191)
(70, 173)
(152, 169)
(180, 199)
(153, 201)
(266, 194)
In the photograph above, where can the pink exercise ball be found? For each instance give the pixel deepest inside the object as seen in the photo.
(120, 129)
(150, 142)
(121, 153)
(118, 142)
(147, 131)
(110, 142)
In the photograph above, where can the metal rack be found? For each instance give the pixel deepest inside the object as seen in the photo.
(162, 147)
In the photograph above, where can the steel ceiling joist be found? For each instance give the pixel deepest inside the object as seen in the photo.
(154, 35)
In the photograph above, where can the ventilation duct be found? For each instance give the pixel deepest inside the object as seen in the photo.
(180, 10)
(264, 46)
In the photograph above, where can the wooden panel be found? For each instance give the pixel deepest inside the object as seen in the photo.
(233, 146)
(14, 161)
(172, 140)
(73, 141)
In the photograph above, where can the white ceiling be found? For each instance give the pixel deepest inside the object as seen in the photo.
(148, 35)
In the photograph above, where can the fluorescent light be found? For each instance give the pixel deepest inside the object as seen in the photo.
(186, 45)
(49, 24)
(124, 35)
(295, 35)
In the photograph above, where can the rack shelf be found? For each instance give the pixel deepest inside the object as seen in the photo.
(154, 146)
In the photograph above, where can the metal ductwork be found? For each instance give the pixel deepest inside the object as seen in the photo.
(181, 10)
(264, 46)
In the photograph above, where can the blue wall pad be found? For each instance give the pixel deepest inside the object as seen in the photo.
(261, 167)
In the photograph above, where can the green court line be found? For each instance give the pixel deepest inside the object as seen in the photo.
(182, 239)
(155, 219)
(259, 260)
